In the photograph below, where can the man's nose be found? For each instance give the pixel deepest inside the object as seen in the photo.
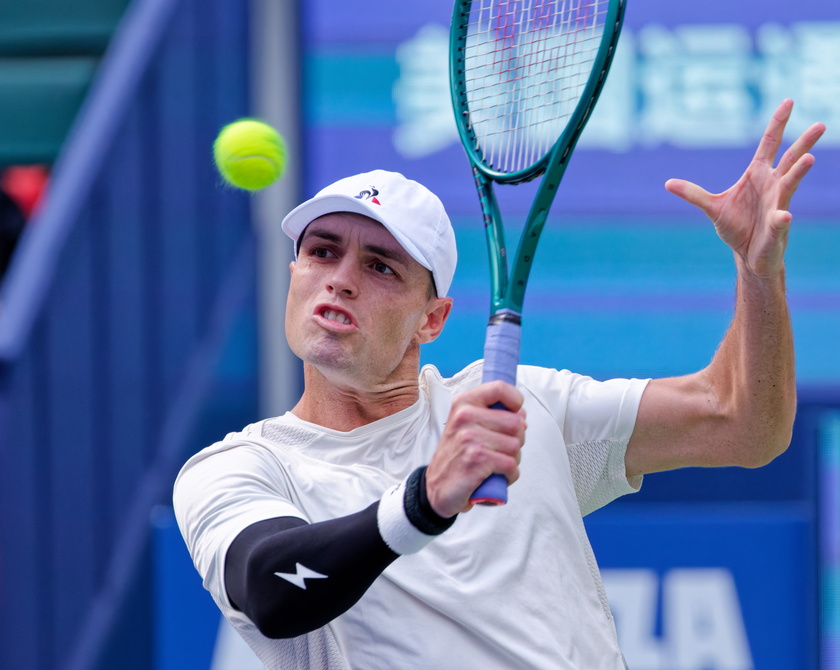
(345, 278)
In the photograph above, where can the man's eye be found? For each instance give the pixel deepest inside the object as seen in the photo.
(381, 268)
(320, 252)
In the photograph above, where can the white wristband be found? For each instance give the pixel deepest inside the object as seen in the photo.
(401, 536)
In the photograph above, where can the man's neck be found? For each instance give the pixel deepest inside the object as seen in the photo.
(344, 407)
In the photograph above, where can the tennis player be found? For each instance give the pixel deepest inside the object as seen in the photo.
(339, 535)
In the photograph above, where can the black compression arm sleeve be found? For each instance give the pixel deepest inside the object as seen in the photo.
(291, 577)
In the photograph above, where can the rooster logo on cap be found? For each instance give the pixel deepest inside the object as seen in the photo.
(369, 195)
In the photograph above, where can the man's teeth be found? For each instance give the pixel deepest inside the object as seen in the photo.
(332, 315)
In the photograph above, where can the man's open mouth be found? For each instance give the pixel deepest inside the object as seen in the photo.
(335, 315)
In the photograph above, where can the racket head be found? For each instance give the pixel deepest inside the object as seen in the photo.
(524, 78)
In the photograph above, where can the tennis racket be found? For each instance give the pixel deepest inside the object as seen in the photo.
(524, 77)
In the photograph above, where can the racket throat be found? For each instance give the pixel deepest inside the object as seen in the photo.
(505, 316)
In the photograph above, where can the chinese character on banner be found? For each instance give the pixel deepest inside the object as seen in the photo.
(819, 45)
(421, 94)
(613, 122)
(800, 62)
(694, 83)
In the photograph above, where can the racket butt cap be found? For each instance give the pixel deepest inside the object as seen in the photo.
(488, 502)
(492, 492)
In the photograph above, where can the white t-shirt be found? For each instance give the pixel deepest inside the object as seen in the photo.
(513, 587)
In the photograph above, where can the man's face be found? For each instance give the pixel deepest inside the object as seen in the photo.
(358, 303)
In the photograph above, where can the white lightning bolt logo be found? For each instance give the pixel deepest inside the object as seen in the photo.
(300, 575)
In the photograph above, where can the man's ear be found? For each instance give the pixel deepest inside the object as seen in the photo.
(437, 313)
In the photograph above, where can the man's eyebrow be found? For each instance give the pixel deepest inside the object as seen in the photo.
(395, 255)
(389, 254)
(322, 234)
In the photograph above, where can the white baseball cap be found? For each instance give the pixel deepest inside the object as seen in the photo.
(412, 214)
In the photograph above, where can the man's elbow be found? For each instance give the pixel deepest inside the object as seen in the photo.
(765, 431)
(764, 446)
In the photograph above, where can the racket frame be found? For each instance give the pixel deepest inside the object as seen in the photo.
(508, 291)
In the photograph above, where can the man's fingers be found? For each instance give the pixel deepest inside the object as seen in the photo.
(489, 434)
(505, 443)
(780, 222)
(800, 148)
(491, 393)
(772, 138)
(791, 179)
(471, 417)
(501, 455)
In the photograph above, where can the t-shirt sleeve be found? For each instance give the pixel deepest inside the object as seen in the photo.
(220, 492)
(596, 419)
(599, 422)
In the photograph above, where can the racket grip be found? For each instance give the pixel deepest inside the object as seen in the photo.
(501, 356)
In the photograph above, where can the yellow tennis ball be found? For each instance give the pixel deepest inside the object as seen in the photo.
(250, 154)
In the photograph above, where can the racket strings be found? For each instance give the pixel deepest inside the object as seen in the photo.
(526, 64)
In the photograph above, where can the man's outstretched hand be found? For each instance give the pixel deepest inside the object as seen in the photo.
(752, 216)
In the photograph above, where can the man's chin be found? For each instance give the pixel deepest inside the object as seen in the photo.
(334, 365)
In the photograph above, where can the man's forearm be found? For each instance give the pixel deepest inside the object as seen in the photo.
(753, 372)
